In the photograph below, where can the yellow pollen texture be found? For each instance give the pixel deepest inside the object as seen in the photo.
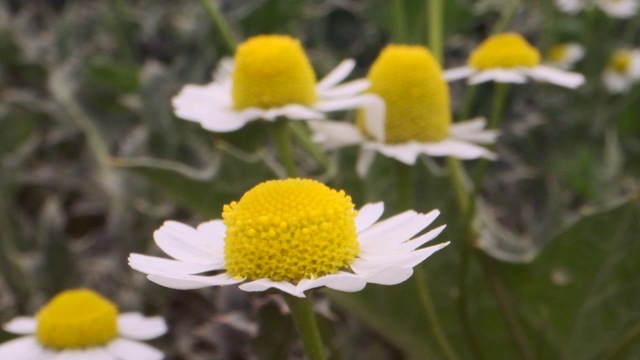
(410, 81)
(76, 319)
(272, 71)
(506, 50)
(289, 230)
(620, 61)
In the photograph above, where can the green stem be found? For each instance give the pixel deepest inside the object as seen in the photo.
(435, 9)
(632, 337)
(303, 317)
(505, 18)
(505, 305)
(280, 133)
(221, 25)
(460, 183)
(405, 200)
(399, 21)
(463, 305)
(467, 103)
(302, 136)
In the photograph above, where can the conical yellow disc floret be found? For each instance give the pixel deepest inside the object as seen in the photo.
(506, 50)
(272, 71)
(77, 319)
(620, 61)
(289, 230)
(410, 81)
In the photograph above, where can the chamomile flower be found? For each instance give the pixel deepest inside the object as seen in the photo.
(292, 235)
(565, 55)
(416, 118)
(81, 324)
(613, 8)
(269, 77)
(509, 58)
(622, 71)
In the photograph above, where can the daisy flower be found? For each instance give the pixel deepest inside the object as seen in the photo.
(622, 71)
(81, 324)
(269, 77)
(565, 56)
(416, 118)
(509, 58)
(613, 8)
(292, 235)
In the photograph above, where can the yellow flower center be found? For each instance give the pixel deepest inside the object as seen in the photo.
(558, 53)
(410, 81)
(272, 71)
(289, 230)
(620, 61)
(506, 50)
(77, 319)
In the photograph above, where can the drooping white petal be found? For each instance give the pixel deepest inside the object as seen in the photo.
(368, 214)
(336, 75)
(498, 75)
(24, 348)
(351, 88)
(458, 73)
(335, 134)
(152, 265)
(388, 275)
(189, 282)
(365, 160)
(407, 152)
(265, 284)
(136, 326)
(341, 281)
(22, 325)
(556, 76)
(125, 349)
(182, 242)
(456, 148)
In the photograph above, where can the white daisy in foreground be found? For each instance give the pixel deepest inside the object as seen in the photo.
(269, 77)
(416, 118)
(622, 71)
(292, 235)
(613, 8)
(80, 324)
(565, 55)
(509, 58)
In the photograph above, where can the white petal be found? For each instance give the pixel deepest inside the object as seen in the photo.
(22, 325)
(619, 8)
(224, 70)
(182, 242)
(406, 153)
(336, 75)
(498, 75)
(395, 230)
(23, 348)
(472, 130)
(189, 282)
(411, 245)
(385, 227)
(365, 160)
(457, 148)
(335, 134)
(97, 353)
(458, 73)
(341, 281)
(151, 265)
(389, 275)
(556, 76)
(371, 264)
(292, 112)
(368, 214)
(615, 83)
(570, 6)
(349, 89)
(136, 326)
(210, 105)
(125, 349)
(213, 233)
(265, 284)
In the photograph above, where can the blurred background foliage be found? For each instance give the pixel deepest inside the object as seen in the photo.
(92, 160)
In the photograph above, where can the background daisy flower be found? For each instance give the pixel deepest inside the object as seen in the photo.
(416, 118)
(622, 71)
(81, 324)
(613, 8)
(565, 55)
(269, 77)
(292, 235)
(509, 58)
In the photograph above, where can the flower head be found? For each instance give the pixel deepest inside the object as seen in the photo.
(416, 117)
(613, 8)
(293, 235)
(565, 55)
(509, 58)
(622, 71)
(269, 77)
(84, 324)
